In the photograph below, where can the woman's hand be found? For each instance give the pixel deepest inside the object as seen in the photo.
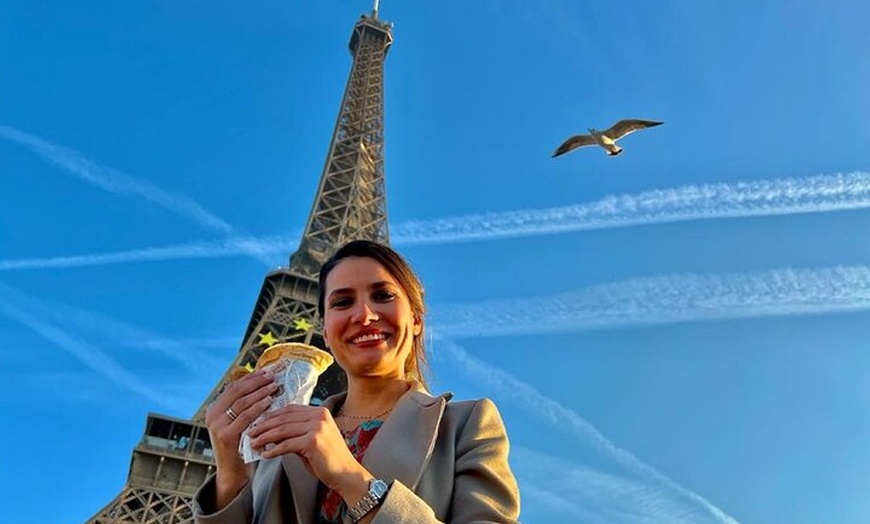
(311, 433)
(246, 398)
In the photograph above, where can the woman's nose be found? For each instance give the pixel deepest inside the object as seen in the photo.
(365, 314)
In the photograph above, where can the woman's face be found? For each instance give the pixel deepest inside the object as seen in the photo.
(368, 322)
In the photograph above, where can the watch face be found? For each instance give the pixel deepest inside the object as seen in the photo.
(378, 488)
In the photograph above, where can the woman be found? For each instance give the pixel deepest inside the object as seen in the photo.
(383, 452)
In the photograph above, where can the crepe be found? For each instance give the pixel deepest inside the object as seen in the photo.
(295, 368)
(238, 372)
(297, 351)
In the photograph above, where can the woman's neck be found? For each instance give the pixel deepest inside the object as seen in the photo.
(369, 396)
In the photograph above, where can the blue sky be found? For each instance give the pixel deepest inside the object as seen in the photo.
(678, 334)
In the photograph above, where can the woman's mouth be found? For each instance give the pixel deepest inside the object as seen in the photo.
(369, 338)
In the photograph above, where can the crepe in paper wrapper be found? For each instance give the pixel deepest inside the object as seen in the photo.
(295, 367)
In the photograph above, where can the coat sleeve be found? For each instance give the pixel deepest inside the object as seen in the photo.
(238, 511)
(484, 488)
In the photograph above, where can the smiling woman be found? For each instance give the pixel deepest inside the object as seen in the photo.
(374, 301)
(383, 451)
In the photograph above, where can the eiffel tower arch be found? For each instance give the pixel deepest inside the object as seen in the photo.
(175, 456)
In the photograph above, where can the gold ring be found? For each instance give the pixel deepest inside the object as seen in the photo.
(230, 413)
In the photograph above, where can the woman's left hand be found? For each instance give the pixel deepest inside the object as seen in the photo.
(311, 433)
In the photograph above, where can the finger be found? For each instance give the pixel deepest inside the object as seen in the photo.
(245, 386)
(252, 399)
(279, 434)
(301, 411)
(237, 389)
(292, 414)
(289, 445)
(249, 415)
(270, 422)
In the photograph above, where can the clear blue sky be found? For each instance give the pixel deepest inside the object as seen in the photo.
(677, 334)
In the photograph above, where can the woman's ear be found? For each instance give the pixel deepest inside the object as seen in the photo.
(418, 325)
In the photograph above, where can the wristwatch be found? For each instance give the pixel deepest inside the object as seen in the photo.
(372, 499)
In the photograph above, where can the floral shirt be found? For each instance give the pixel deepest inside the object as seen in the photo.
(332, 506)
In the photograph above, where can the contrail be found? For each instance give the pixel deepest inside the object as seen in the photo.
(240, 246)
(595, 496)
(664, 300)
(667, 299)
(531, 400)
(92, 357)
(120, 333)
(811, 194)
(123, 334)
(530, 490)
(74, 163)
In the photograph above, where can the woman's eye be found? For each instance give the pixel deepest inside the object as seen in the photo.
(340, 303)
(384, 295)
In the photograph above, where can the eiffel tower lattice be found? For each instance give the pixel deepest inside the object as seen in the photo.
(175, 456)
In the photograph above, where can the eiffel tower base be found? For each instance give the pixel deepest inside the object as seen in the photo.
(171, 462)
(147, 506)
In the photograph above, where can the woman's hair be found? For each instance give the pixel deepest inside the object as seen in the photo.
(404, 275)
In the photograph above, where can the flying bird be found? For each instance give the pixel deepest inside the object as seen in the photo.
(607, 138)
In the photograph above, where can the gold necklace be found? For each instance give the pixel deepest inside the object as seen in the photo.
(342, 414)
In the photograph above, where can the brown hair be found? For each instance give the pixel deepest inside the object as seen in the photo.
(399, 269)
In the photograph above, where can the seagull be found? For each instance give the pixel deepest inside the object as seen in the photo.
(607, 138)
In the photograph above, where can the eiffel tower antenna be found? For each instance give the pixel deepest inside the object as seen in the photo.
(175, 456)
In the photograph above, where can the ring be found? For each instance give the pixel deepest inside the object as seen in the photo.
(230, 413)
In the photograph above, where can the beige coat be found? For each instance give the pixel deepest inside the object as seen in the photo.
(444, 461)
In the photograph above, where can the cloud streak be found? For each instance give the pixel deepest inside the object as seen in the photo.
(92, 357)
(796, 195)
(262, 248)
(664, 300)
(74, 163)
(595, 496)
(123, 334)
(117, 333)
(659, 300)
(811, 194)
(535, 403)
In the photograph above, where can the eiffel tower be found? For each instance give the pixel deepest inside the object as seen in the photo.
(175, 456)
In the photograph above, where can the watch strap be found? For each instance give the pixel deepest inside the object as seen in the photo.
(371, 499)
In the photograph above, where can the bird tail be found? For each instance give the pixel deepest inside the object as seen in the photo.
(615, 152)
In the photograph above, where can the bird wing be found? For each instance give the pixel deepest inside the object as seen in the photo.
(626, 127)
(573, 143)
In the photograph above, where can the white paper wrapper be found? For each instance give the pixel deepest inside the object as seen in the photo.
(297, 379)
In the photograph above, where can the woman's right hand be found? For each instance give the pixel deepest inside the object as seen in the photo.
(247, 397)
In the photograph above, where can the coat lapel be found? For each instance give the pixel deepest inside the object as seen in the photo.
(303, 484)
(403, 445)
